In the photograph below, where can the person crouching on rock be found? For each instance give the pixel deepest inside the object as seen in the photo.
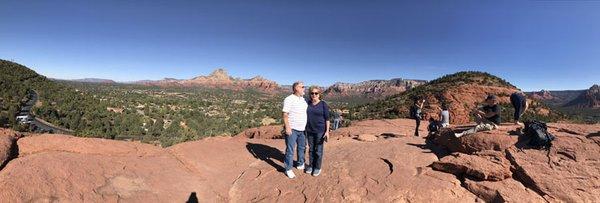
(317, 130)
(488, 118)
(519, 102)
(294, 119)
(415, 113)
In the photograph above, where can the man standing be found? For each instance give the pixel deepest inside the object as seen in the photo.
(488, 118)
(519, 102)
(294, 119)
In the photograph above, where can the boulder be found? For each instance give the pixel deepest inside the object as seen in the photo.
(8, 149)
(497, 140)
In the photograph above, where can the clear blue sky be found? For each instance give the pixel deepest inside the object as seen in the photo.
(533, 44)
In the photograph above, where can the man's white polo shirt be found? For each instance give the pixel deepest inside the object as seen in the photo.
(296, 106)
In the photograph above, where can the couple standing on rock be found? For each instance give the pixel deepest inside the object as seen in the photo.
(305, 121)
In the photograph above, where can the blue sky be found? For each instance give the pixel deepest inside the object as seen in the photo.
(532, 44)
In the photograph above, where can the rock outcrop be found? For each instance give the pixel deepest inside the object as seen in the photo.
(588, 99)
(484, 165)
(497, 140)
(566, 172)
(8, 147)
(372, 161)
(217, 79)
(372, 88)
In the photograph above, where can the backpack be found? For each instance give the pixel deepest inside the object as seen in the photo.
(539, 135)
(433, 127)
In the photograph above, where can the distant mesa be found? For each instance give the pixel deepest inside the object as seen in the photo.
(95, 80)
(217, 79)
(373, 88)
(542, 95)
(587, 99)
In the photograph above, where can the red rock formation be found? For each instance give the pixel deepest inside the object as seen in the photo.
(588, 99)
(217, 79)
(388, 167)
(542, 95)
(372, 88)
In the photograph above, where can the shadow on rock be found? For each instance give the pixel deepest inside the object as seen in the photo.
(267, 154)
(437, 150)
(193, 198)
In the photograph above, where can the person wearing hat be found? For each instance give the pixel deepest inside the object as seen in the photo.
(487, 118)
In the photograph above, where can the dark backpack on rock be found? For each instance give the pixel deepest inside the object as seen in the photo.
(538, 133)
(433, 127)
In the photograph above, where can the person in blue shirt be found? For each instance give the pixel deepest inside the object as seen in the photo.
(317, 129)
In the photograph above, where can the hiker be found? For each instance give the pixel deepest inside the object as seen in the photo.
(444, 117)
(444, 121)
(294, 119)
(337, 119)
(415, 113)
(488, 118)
(317, 130)
(519, 102)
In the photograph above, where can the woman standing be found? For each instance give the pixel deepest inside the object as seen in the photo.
(415, 113)
(317, 129)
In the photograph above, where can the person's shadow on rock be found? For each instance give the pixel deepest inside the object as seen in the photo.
(193, 198)
(267, 154)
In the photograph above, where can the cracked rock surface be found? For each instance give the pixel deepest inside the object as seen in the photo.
(389, 167)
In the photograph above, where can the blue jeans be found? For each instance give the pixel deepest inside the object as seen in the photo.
(336, 124)
(315, 149)
(297, 137)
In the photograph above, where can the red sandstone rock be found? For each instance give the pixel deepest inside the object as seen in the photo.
(498, 140)
(7, 145)
(508, 190)
(485, 165)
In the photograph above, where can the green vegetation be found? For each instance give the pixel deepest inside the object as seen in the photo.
(151, 114)
(173, 115)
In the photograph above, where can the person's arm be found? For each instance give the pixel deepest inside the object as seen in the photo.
(495, 111)
(327, 124)
(286, 124)
(326, 117)
(286, 121)
(525, 109)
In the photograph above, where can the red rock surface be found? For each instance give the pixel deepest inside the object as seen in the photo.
(485, 165)
(7, 145)
(569, 171)
(393, 167)
(508, 190)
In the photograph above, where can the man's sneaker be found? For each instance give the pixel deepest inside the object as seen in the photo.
(300, 167)
(458, 135)
(316, 172)
(308, 170)
(290, 174)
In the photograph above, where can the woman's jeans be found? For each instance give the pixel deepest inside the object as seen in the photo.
(315, 149)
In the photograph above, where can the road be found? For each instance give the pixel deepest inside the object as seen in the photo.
(40, 125)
